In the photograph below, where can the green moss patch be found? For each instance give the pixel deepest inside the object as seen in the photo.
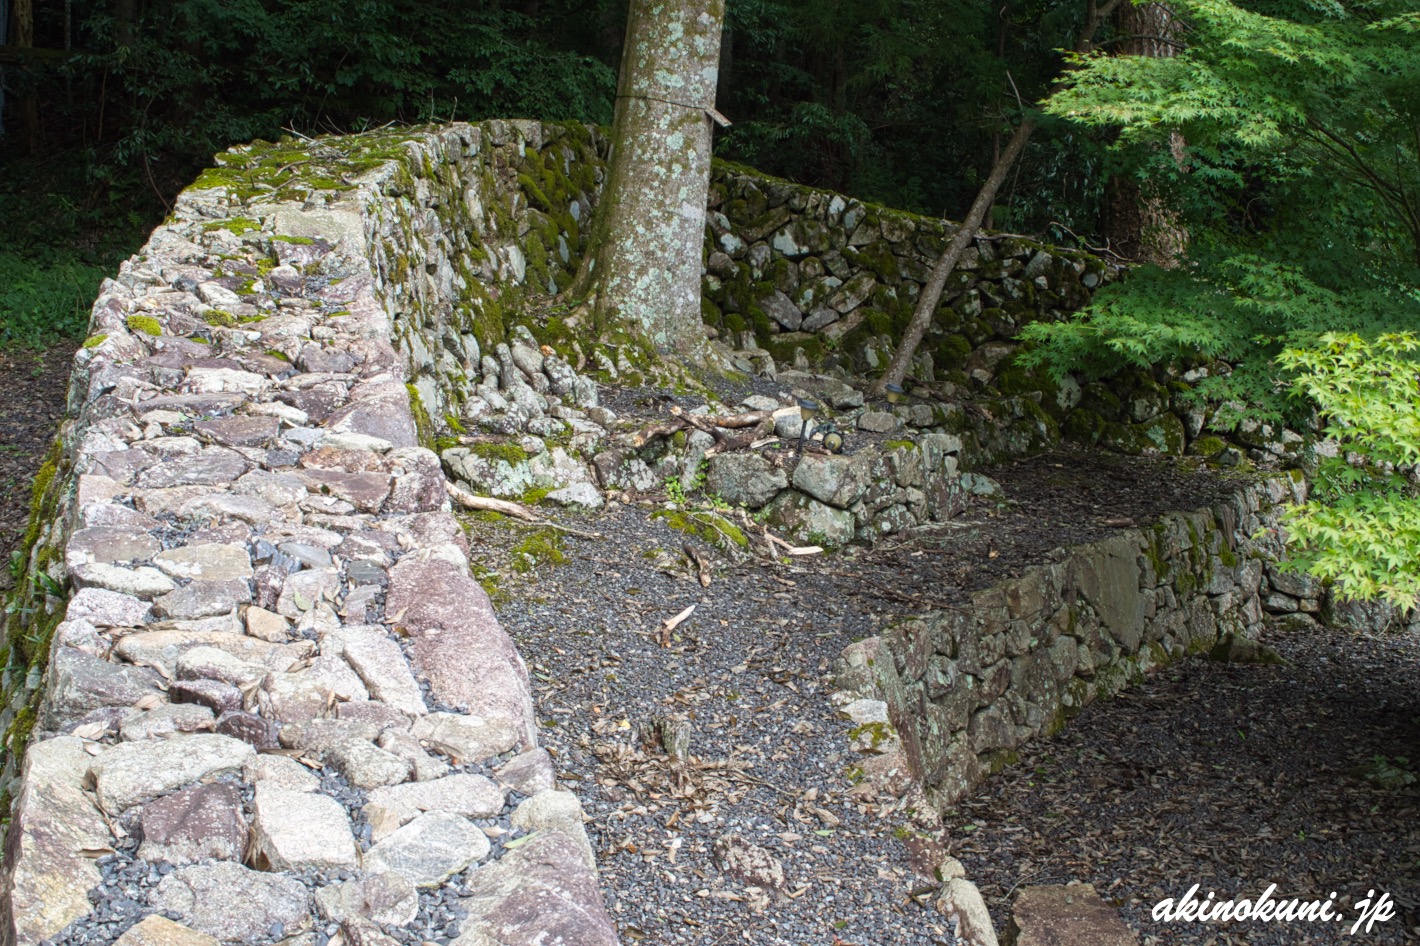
(145, 324)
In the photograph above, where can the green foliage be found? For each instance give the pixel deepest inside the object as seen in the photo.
(1304, 107)
(42, 300)
(1389, 774)
(1361, 527)
(197, 75)
(900, 103)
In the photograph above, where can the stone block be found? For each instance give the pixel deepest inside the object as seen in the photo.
(1056, 914)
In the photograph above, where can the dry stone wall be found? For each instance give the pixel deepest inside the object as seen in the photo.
(941, 701)
(253, 694)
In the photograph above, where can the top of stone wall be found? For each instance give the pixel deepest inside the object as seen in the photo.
(262, 570)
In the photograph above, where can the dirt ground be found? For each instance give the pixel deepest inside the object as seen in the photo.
(32, 390)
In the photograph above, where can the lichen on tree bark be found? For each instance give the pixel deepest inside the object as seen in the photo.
(643, 272)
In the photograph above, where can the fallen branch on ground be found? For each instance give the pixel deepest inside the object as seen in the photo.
(509, 508)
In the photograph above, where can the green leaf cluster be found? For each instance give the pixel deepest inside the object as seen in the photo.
(1361, 527)
(1299, 187)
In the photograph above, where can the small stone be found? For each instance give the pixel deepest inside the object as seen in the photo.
(132, 773)
(365, 766)
(529, 772)
(471, 796)
(280, 770)
(430, 849)
(165, 720)
(748, 863)
(214, 695)
(232, 903)
(386, 898)
(555, 810)
(294, 830)
(424, 766)
(261, 735)
(196, 824)
(154, 930)
(267, 625)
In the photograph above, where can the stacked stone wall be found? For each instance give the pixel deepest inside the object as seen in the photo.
(943, 700)
(252, 692)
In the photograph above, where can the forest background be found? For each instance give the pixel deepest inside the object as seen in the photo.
(1260, 159)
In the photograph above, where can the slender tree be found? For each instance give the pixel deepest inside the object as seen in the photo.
(643, 271)
(932, 292)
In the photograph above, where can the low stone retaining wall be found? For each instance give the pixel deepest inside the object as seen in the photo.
(257, 694)
(940, 701)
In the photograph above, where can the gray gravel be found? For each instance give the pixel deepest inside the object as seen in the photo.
(750, 673)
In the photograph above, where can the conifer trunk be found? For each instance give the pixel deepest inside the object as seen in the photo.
(643, 270)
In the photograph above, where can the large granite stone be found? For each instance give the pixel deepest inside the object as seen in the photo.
(154, 930)
(132, 773)
(558, 811)
(744, 479)
(81, 683)
(387, 898)
(213, 562)
(471, 796)
(459, 646)
(365, 766)
(961, 902)
(295, 830)
(232, 903)
(201, 599)
(1057, 914)
(466, 738)
(54, 822)
(201, 823)
(380, 664)
(839, 481)
(538, 893)
(430, 849)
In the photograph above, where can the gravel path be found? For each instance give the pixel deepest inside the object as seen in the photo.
(749, 673)
(1230, 775)
(1225, 775)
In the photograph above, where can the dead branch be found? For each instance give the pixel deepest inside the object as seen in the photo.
(702, 564)
(516, 510)
(488, 503)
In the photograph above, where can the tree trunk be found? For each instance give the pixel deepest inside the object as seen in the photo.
(29, 103)
(643, 270)
(932, 292)
(1138, 223)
